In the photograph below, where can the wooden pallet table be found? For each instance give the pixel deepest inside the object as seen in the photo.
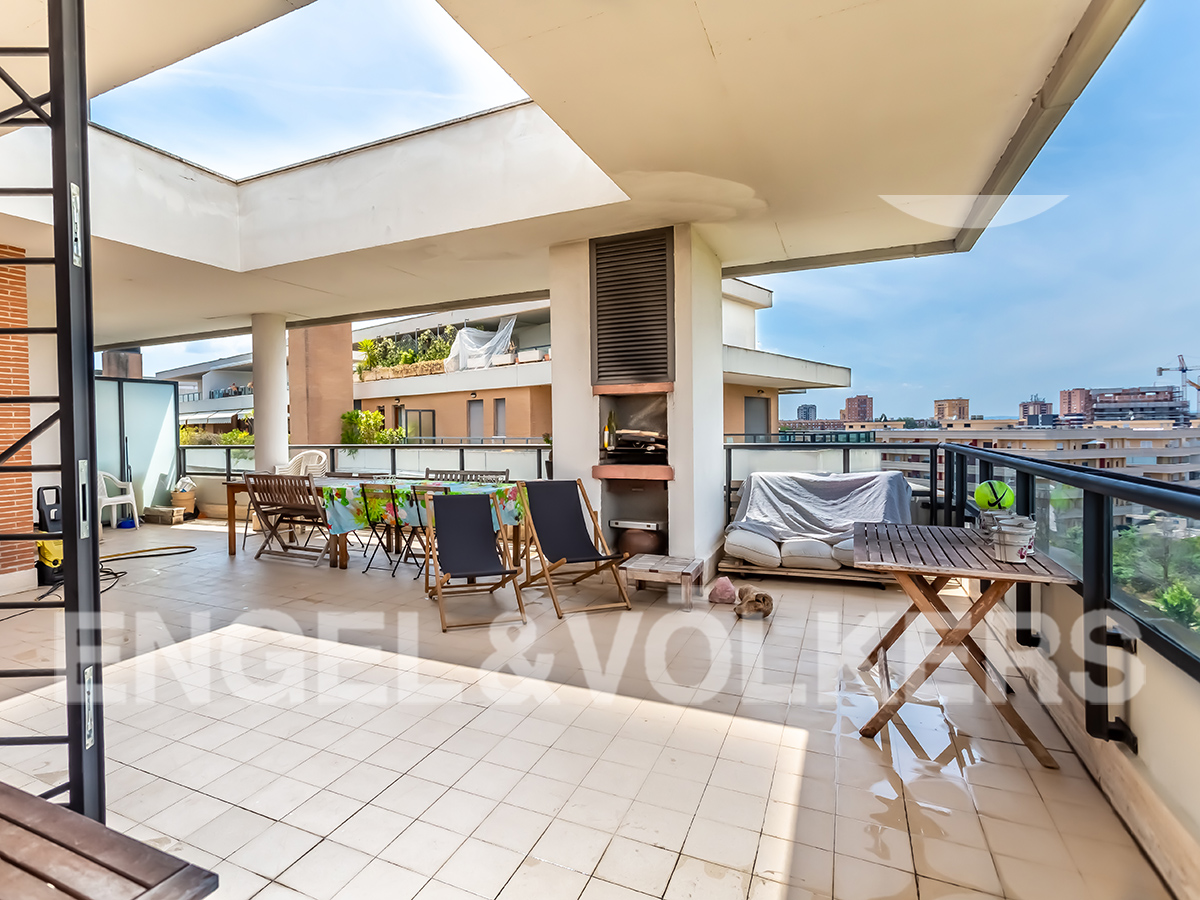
(48, 852)
(646, 567)
(923, 559)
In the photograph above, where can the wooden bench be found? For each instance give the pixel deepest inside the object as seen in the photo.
(48, 852)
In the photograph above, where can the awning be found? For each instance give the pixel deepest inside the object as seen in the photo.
(200, 418)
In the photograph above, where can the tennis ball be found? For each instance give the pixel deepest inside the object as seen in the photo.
(994, 495)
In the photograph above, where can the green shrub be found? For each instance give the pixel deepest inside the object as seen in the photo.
(1180, 604)
(194, 436)
(386, 353)
(365, 426)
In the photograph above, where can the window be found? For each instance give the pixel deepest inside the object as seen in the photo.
(418, 423)
(499, 425)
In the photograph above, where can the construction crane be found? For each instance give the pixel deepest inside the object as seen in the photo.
(1184, 381)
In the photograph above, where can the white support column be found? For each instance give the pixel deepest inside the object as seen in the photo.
(575, 411)
(695, 425)
(269, 333)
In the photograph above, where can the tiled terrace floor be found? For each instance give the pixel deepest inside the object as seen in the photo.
(310, 733)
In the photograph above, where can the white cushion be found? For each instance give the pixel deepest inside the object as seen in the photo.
(844, 552)
(753, 548)
(807, 553)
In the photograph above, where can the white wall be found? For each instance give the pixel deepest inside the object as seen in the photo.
(695, 411)
(575, 411)
(737, 324)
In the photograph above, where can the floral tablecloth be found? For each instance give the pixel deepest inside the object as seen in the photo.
(346, 512)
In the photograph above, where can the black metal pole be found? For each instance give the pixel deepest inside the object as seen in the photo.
(1024, 507)
(1097, 581)
(77, 425)
(960, 491)
(948, 492)
(933, 485)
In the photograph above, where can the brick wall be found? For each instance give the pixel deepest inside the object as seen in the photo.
(16, 491)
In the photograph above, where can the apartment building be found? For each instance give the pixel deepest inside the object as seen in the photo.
(806, 412)
(957, 409)
(1151, 449)
(508, 396)
(1079, 406)
(860, 408)
(1075, 404)
(1117, 404)
(1036, 408)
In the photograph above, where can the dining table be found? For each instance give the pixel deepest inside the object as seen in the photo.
(347, 511)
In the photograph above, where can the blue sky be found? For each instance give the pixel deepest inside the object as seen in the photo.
(1098, 291)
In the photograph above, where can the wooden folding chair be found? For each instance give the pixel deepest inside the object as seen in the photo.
(287, 503)
(558, 530)
(378, 501)
(462, 543)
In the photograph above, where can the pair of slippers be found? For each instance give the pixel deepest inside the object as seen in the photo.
(753, 603)
(747, 601)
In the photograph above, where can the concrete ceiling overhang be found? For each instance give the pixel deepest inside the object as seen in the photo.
(798, 117)
(758, 368)
(774, 126)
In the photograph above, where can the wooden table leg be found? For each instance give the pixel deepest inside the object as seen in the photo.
(343, 550)
(687, 593)
(936, 657)
(910, 615)
(231, 521)
(930, 593)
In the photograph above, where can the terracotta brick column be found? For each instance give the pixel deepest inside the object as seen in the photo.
(16, 491)
(320, 382)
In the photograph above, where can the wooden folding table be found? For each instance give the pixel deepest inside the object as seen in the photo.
(923, 559)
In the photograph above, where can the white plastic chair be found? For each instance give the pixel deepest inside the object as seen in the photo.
(307, 462)
(121, 496)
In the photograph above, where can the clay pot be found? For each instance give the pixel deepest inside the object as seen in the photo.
(636, 540)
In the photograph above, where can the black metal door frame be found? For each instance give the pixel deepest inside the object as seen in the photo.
(68, 123)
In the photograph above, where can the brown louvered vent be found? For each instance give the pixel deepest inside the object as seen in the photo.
(632, 308)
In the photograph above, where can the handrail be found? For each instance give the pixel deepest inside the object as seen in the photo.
(1181, 500)
(540, 448)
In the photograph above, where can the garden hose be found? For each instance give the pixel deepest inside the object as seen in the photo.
(150, 552)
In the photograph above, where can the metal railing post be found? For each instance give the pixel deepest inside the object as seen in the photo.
(933, 485)
(1097, 585)
(960, 491)
(1024, 507)
(948, 491)
(229, 463)
(846, 460)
